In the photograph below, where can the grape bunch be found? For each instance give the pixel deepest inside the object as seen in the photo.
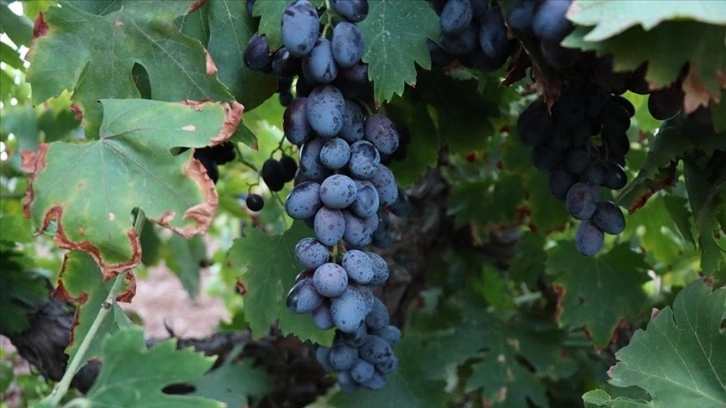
(342, 186)
(582, 144)
(471, 32)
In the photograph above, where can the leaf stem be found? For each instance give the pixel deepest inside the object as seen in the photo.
(60, 390)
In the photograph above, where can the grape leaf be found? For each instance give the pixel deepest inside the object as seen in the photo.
(230, 30)
(20, 291)
(81, 283)
(268, 268)
(596, 292)
(18, 28)
(610, 18)
(184, 258)
(671, 144)
(678, 359)
(101, 67)
(395, 33)
(233, 383)
(707, 196)
(424, 153)
(529, 256)
(406, 387)
(700, 45)
(90, 189)
(134, 376)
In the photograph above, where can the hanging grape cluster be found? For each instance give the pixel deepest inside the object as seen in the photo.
(342, 186)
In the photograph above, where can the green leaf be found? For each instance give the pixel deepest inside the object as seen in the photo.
(21, 290)
(101, 67)
(18, 28)
(671, 144)
(129, 365)
(700, 45)
(422, 154)
(230, 30)
(270, 13)
(548, 213)
(81, 282)
(680, 215)
(234, 382)
(707, 196)
(600, 398)
(184, 258)
(268, 268)
(610, 18)
(596, 292)
(406, 387)
(678, 359)
(90, 189)
(529, 259)
(395, 33)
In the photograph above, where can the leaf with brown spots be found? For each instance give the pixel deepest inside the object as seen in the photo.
(90, 189)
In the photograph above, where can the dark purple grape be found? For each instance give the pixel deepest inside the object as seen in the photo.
(290, 166)
(521, 15)
(351, 10)
(254, 202)
(303, 202)
(493, 34)
(303, 298)
(560, 181)
(577, 160)
(319, 65)
(347, 44)
(325, 108)
(295, 122)
(463, 43)
(589, 238)
(609, 218)
(330, 280)
(545, 157)
(665, 103)
(273, 174)
(581, 201)
(534, 125)
(455, 17)
(257, 56)
(616, 177)
(595, 173)
(284, 64)
(549, 22)
(300, 27)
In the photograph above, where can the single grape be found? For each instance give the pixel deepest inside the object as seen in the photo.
(378, 318)
(310, 165)
(665, 103)
(351, 10)
(290, 166)
(322, 354)
(391, 334)
(376, 382)
(311, 253)
(330, 280)
(284, 64)
(299, 29)
(577, 160)
(335, 153)
(366, 201)
(358, 266)
(560, 181)
(588, 238)
(616, 177)
(303, 297)
(348, 310)
(364, 160)
(549, 21)
(322, 317)
(455, 16)
(295, 122)
(463, 43)
(325, 107)
(343, 356)
(388, 366)
(534, 125)
(255, 202)
(595, 173)
(319, 65)
(581, 201)
(521, 15)
(273, 174)
(385, 183)
(353, 119)
(346, 382)
(355, 338)
(338, 191)
(357, 233)
(329, 226)
(257, 56)
(362, 371)
(380, 131)
(493, 34)
(380, 269)
(303, 201)
(376, 350)
(609, 218)
(347, 44)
